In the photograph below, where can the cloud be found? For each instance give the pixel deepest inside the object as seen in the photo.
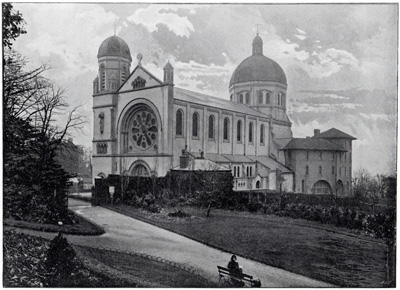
(66, 34)
(301, 31)
(154, 15)
(301, 37)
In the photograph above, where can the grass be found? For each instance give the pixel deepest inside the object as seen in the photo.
(24, 265)
(322, 252)
(82, 227)
(147, 272)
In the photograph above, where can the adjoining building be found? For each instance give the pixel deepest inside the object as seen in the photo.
(142, 124)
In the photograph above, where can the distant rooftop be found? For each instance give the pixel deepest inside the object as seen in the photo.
(206, 100)
(312, 144)
(333, 134)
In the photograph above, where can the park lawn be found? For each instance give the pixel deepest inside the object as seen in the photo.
(307, 248)
(81, 227)
(147, 272)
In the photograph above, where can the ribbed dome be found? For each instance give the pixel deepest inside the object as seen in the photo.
(114, 46)
(258, 68)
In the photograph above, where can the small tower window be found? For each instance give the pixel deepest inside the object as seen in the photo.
(320, 155)
(268, 98)
(333, 169)
(241, 98)
(231, 97)
(103, 77)
(279, 99)
(320, 170)
(307, 169)
(260, 97)
(247, 98)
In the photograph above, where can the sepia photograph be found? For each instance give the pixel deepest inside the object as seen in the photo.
(199, 145)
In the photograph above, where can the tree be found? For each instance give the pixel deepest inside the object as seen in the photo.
(34, 183)
(13, 25)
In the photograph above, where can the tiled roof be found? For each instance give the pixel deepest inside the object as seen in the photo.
(270, 163)
(206, 100)
(202, 164)
(333, 134)
(212, 156)
(238, 158)
(312, 144)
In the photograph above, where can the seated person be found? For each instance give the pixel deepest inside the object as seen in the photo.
(233, 267)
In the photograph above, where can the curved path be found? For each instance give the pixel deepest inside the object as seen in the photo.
(128, 234)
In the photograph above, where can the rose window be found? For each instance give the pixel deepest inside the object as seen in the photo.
(144, 129)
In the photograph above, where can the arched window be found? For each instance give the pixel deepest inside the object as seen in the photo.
(258, 184)
(231, 97)
(103, 77)
(260, 97)
(307, 169)
(241, 98)
(320, 170)
(279, 99)
(251, 132)
(239, 131)
(247, 98)
(179, 123)
(140, 170)
(268, 98)
(262, 129)
(195, 125)
(321, 187)
(211, 127)
(226, 129)
(123, 74)
(283, 100)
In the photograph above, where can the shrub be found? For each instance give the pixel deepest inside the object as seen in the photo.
(179, 214)
(59, 262)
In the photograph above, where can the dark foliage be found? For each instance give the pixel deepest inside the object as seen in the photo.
(13, 24)
(179, 214)
(60, 262)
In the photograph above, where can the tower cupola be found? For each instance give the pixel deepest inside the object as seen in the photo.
(168, 73)
(257, 46)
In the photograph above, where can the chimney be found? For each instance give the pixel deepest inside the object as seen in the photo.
(317, 132)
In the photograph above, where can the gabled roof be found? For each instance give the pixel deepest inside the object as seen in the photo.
(212, 156)
(333, 134)
(238, 158)
(206, 100)
(312, 144)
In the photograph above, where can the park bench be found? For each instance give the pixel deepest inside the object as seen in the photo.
(236, 280)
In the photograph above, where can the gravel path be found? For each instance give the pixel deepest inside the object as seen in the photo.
(128, 234)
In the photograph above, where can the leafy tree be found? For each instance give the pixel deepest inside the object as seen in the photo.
(13, 25)
(34, 184)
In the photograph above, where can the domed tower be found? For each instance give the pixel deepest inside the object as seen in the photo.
(114, 59)
(260, 83)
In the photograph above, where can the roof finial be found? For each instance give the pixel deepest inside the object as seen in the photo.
(115, 27)
(139, 57)
(257, 27)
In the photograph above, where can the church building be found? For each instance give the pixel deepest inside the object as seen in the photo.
(143, 126)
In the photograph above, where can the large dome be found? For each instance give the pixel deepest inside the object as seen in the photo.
(258, 68)
(114, 46)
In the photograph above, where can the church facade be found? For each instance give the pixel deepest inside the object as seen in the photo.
(143, 125)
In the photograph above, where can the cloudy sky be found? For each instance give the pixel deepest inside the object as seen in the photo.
(340, 60)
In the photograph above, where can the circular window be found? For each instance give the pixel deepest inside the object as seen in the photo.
(144, 129)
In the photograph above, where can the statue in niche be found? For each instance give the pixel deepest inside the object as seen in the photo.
(138, 83)
(101, 122)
